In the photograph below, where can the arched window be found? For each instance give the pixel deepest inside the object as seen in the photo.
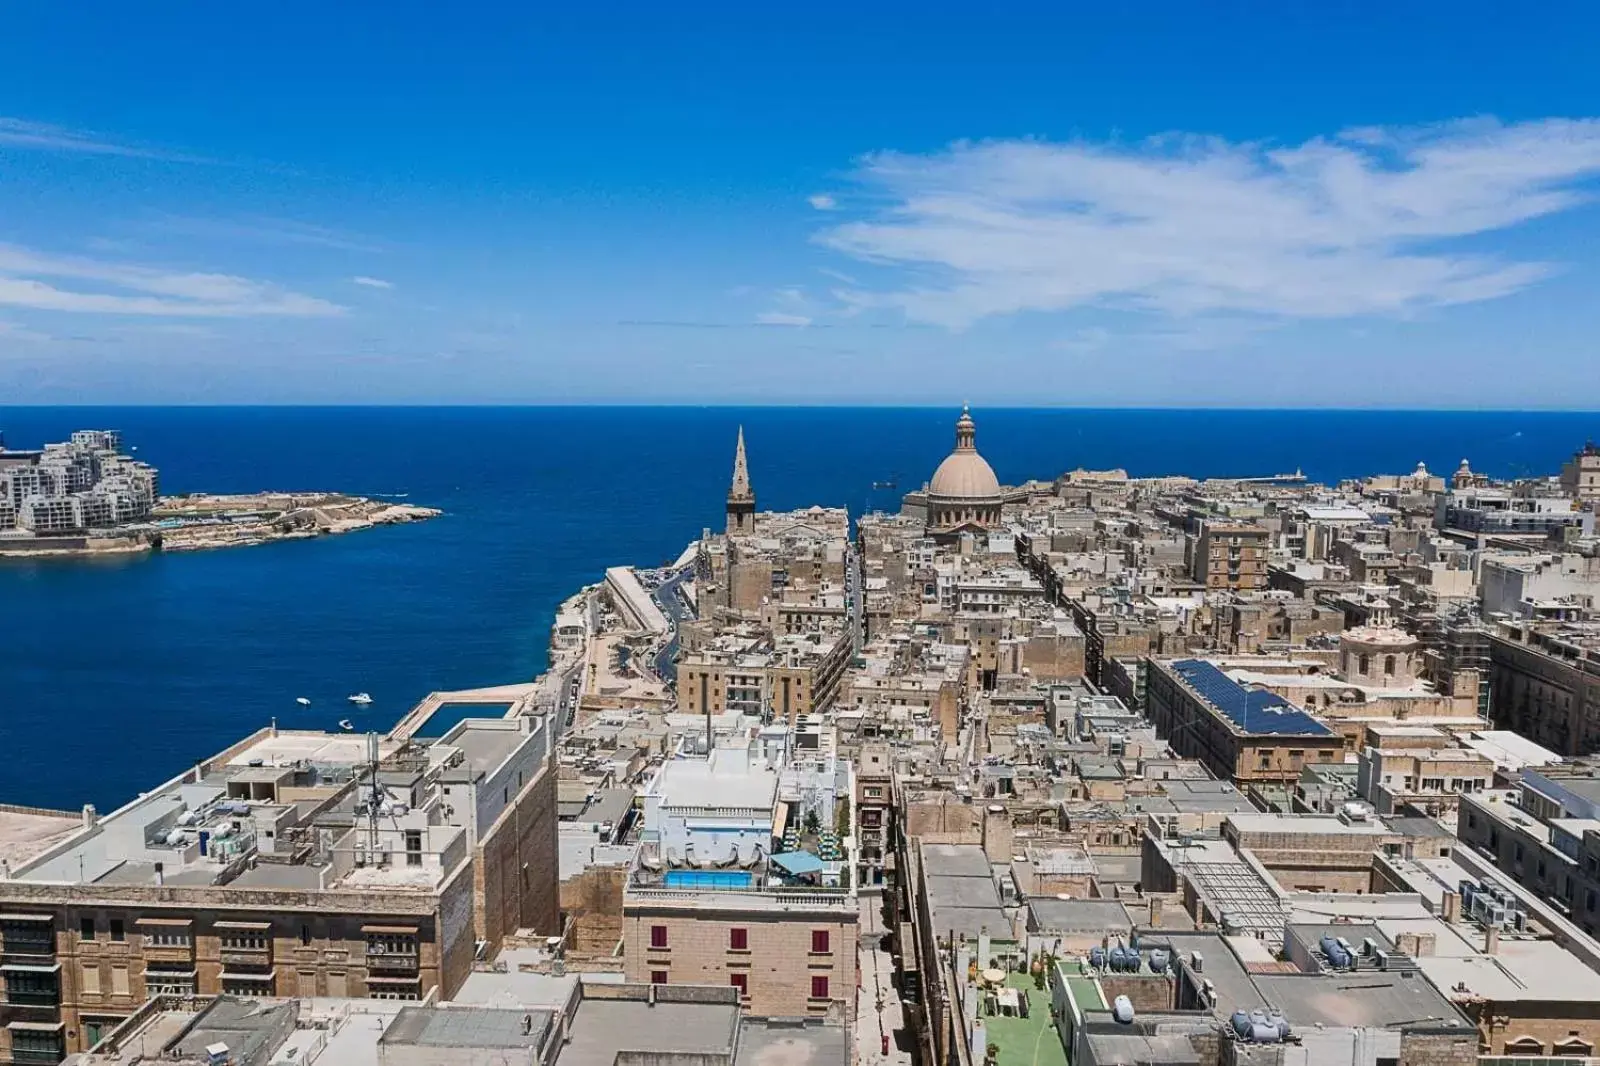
(1525, 1045)
(1365, 663)
(1388, 665)
(1572, 1045)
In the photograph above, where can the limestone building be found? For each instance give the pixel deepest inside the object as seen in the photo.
(741, 507)
(964, 495)
(293, 863)
(1580, 476)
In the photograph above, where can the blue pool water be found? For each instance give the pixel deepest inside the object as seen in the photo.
(448, 715)
(708, 879)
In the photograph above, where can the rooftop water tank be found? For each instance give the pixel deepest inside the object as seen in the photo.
(1097, 958)
(1158, 960)
(1240, 1020)
(1264, 1033)
(1122, 1010)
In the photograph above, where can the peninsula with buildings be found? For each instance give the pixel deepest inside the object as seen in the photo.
(85, 497)
(1093, 770)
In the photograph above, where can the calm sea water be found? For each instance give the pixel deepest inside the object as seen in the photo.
(114, 676)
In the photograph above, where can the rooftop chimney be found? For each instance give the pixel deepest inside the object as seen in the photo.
(1491, 940)
(91, 817)
(1450, 907)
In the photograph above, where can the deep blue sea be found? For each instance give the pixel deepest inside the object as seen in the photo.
(114, 676)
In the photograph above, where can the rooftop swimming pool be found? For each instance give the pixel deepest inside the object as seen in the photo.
(447, 716)
(708, 878)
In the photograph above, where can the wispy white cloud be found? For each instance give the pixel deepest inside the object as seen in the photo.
(259, 230)
(782, 318)
(40, 136)
(93, 286)
(371, 283)
(1360, 223)
(822, 201)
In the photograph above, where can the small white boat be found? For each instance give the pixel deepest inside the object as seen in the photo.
(302, 701)
(360, 697)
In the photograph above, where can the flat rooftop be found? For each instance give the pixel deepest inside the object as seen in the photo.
(25, 832)
(963, 898)
(1049, 915)
(1366, 998)
(484, 745)
(476, 1028)
(604, 1027)
(727, 779)
(763, 1043)
(1329, 824)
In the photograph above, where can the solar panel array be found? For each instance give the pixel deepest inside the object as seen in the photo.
(1252, 710)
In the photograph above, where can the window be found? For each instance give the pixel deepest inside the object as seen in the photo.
(305, 936)
(738, 940)
(1388, 665)
(391, 944)
(116, 929)
(413, 847)
(30, 1045)
(244, 986)
(1364, 664)
(28, 989)
(658, 977)
(819, 987)
(819, 941)
(658, 936)
(741, 981)
(168, 979)
(404, 991)
(244, 941)
(86, 928)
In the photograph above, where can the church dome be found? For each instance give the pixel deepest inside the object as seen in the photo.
(964, 474)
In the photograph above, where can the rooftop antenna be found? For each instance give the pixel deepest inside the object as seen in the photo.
(374, 799)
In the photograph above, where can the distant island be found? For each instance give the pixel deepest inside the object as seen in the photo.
(85, 497)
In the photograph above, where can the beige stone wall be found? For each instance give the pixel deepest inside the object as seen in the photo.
(944, 819)
(516, 866)
(310, 954)
(592, 902)
(778, 961)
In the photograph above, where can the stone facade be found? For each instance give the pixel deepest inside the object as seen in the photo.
(782, 968)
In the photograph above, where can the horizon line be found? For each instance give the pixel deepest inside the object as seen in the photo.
(756, 405)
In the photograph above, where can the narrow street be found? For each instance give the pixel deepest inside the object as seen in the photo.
(878, 1009)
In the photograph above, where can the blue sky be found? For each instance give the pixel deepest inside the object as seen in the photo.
(1228, 205)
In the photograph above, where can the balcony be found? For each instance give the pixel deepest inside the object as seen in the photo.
(31, 1057)
(30, 947)
(392, 963)
(246, 957)
(47, 999)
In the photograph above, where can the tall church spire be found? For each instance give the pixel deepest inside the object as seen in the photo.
(741, 498)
